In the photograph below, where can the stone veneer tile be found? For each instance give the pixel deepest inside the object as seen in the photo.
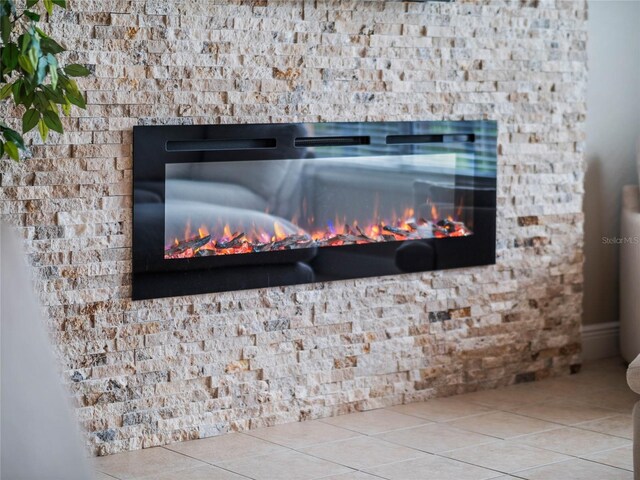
(159, 371)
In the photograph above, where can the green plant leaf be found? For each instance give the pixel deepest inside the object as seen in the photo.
(27, 100)
(30, 119)
(26, 65)
(53, 70)
(24, 40)
(68, 84)
(77, 99)
(49, 45)
(56, 95)
(8, 7)
(5, 91)
(40, 32)
(48, 6)
(41, 101)
(12, 150)
(66, 108)
(16, 90)
(34, 52)
(43, 129)
(28, 59)
(32, 15)
(52, 120)
(5, 28)
(76, 70)
(14, 137)
(10, 56)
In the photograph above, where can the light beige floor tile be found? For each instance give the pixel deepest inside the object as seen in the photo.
(605, 365)
(102, 476)
(441, 409)
(603, 380)
(505, 398)
(288, 465)
(206, 472)
(363, 452)
(139, 463)
(303, 434)
(563, 412)
(352, 476)
(506, 456)
(435, 438)
(225, 447)
(433, 468)
(576, 469)
(573, 441)
(621, 400)
(502, 424)
(619, 425)
(566, 387)
(602, 370)
(375, 421)
(618, 457)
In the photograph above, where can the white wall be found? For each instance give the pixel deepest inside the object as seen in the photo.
(613, 125)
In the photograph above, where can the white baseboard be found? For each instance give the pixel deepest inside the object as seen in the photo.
(601, 340)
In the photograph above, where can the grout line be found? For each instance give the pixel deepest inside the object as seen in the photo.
(603, 433)
(360, 469)
(542, 465)
(107, 474)
(574, 456)
(606, 464)
(294, 449)
(469, 463)
(491, 409)
(203, 461)
(352, 471)
(441, 421)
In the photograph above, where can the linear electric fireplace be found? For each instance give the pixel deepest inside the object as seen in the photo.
(230, 207)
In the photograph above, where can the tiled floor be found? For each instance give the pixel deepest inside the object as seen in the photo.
(577, 427)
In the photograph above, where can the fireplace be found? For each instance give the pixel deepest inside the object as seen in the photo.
(229, 207)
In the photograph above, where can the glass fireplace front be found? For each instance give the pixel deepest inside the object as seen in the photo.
(229, 207)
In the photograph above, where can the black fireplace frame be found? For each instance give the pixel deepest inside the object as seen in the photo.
(156, 146)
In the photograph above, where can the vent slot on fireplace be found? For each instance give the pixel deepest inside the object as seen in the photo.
(216, 144)
(301, 142)
(419, 139)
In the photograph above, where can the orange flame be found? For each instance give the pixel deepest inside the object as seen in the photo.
(279, 231)
(187, 229)
(340, 231)
(434, 213)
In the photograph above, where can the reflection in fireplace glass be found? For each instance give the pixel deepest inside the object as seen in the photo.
(222, 208)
